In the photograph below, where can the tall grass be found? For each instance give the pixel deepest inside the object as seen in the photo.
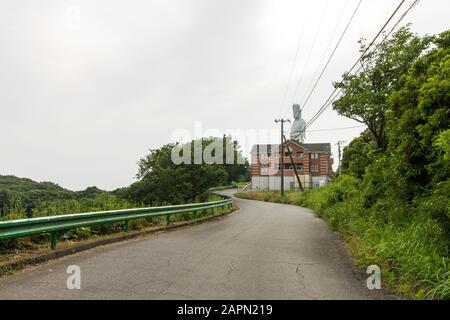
(410, 246)
(101, 202)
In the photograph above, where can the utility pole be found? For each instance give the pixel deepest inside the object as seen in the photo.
(282, 121)
(294, 165)
(339, 143)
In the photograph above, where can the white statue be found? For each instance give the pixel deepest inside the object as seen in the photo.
(299, 126)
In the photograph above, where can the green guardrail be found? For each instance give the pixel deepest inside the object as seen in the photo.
(221, 188)
(25, 227)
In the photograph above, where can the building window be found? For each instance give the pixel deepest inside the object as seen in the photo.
(315, 168)
(299, 167)
(314, 156)
(286, 167)
(264, 159)
(299, 154)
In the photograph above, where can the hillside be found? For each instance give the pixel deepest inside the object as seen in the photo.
(13, 184)
(22, 192)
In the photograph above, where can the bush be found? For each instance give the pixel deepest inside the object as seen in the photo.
(410, 242)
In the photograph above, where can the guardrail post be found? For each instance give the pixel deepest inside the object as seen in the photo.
(195, 215)
(168, 219)
(53, 240)
(125, 226)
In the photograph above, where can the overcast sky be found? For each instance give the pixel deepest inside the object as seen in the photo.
(80, 103)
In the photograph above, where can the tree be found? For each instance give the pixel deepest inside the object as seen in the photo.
(419, 114)
(364, 95)
(236, 171)
(357, 155)
(90, 192)
(416, 121)
(161, 180)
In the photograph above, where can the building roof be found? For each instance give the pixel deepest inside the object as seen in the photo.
(316, 147)
(311, 147)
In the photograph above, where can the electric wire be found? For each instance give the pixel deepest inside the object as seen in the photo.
(294, 64)
(336, 92)
(332, 55)
(316, 35)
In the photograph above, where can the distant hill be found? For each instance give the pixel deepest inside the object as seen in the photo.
(20, 185)
(30, 191)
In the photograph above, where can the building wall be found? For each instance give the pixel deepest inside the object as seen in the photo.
(267, 176)
(274, 183)
(315, 181)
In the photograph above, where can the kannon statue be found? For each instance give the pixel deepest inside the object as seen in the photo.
(299, 125)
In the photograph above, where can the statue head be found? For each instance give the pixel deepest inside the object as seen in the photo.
(297, 111)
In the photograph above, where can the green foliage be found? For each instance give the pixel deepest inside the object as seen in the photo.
(358, 155)
(20, 195)
(365, 94)
(414, 256)
(101, 202)
(418, 119)
(403, 206)
(405, 186)
(17, 209)
(392, 204)
(163, 181)
(21, 198)
(443, 143)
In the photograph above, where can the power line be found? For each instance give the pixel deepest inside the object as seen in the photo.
(294, 64)
(332, 97)
(328, 102)
(327, 47)
(332, 54)
(333, 129)
(378, 34)
(300, 80)
(337, 129)
(337, 91)
(413, 5)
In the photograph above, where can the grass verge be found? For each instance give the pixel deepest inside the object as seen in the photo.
(412, 252)
(14, 260)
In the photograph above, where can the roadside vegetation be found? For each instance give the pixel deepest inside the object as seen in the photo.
(160, 182)
(15, 246)
(391, 203)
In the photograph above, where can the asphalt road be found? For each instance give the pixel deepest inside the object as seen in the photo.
(263, 251)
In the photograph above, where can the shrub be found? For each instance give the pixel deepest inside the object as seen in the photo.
(409, 241)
